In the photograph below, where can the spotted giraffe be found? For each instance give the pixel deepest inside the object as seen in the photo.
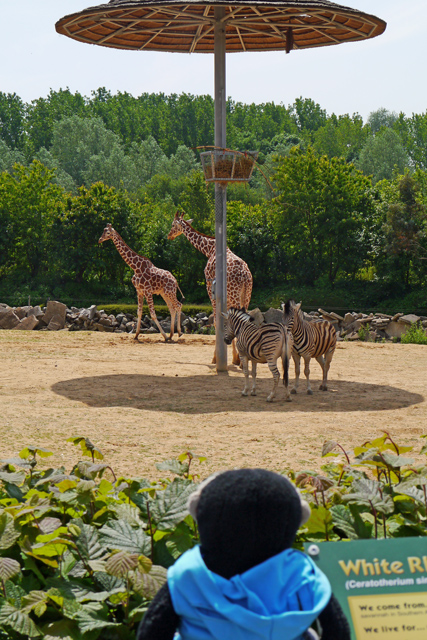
(148, 280)
(239, 277)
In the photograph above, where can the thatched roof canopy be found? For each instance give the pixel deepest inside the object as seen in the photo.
(251, 25)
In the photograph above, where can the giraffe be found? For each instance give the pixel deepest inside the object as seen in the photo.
(148, 280)
(239, 277)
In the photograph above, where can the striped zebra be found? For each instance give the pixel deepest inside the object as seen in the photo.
(316, 339)
(266, 343)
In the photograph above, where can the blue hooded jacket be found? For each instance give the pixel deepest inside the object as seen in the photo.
(275, 600)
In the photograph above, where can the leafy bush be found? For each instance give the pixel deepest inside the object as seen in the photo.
(380, 494)
(82, 553)
(415, 334)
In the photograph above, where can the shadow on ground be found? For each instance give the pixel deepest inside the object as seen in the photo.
(212, 394)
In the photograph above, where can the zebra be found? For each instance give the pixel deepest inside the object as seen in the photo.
(266, 343)
(311, 340)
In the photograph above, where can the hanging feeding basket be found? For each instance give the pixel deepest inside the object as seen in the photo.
(224, 165)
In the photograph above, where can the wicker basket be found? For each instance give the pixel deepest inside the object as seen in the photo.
(222, 165)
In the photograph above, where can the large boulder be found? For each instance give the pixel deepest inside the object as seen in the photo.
(27, 324)
(9, 319)
(257, 316)
(273, 315)
(56, 310)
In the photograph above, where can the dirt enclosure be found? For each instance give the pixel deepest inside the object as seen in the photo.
(145, 402)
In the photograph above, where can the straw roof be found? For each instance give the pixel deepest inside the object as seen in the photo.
(251, 25)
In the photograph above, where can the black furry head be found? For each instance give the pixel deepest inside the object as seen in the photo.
(246, 516)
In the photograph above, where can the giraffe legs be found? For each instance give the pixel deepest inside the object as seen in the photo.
(149, 298)
(140, 307)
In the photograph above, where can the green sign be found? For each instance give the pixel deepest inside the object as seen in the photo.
(380, 584)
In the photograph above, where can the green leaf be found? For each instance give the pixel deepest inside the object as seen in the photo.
(350, 522)
(170, 506)
(35, 600)
(173, 466)
(16, 477)
(119, 535)
(91, 616)
(412, 492)
(8, 532)
(180, 541)
(320, 520)
(32, 451)
(119, 564)
(18, 620)
(8, 568)
(148, 584)
(61, 630)
(108, 582)
(128, 513)
(88, 543)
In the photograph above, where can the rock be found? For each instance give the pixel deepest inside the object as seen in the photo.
(257, 315)
(56, 323)
(349, 318)
(92, 311)
(411, 318)
(102, 327)
(36, 312)
(396, 317)
(57, 310)
(273, 315)
(27, 324)
(336, 316)
(9, 319)
(353, 336)
(396, 329)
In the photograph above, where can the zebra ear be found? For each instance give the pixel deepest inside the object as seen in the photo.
(298, 306)
(224, 315)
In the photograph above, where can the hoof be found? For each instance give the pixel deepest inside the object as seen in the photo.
(136, 338)
(269, 399)
(294, 392)
(244, 393)
(309, 392)
(323, 388)
(253, 393)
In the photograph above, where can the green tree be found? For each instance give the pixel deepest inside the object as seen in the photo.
(43, 113)
(324, 212)
(29, 204)
(9, 157)
(308, 115)
(82, 146)
(12, 120)
(78, 255)
(341, 137)
(381, 118)
(383, 156)
(403, 254)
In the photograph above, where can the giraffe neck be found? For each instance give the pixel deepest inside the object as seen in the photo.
(129, 256)
(203, 243)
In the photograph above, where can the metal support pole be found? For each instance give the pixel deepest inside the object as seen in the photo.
(220, 192)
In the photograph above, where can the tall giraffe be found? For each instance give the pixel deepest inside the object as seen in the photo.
(239, 277)
(148, 280)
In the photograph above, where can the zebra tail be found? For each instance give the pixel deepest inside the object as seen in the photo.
(285, 362)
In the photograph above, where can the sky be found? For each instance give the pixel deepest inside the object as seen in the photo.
(385, 72)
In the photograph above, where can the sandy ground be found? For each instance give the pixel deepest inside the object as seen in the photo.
(142, 403)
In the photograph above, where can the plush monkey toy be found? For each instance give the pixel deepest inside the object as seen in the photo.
(244, 581)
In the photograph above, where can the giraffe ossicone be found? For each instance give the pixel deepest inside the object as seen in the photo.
(148, 280)
(239, 277)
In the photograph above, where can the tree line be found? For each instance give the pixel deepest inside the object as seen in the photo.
(336, 205)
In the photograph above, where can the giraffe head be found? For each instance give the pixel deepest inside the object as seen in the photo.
(106, 234)
(178, 225)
